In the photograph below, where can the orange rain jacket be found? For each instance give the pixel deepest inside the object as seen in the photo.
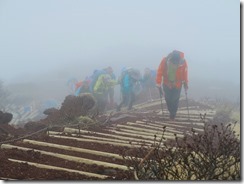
(181, 73)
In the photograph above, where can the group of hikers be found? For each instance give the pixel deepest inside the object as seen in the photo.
(171, 74)
(102, 82)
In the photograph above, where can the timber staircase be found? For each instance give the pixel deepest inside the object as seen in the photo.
(74, 144)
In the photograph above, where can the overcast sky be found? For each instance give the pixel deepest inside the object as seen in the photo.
(66, 36)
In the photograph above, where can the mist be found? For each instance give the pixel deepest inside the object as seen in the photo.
(44, 43)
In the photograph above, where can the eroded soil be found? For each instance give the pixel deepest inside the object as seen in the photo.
(96, 137)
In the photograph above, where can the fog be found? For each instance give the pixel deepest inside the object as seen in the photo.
(44, 43)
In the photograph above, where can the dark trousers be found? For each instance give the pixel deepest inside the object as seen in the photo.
(111, 96)
(101, 99)
(172, 97)
(128, 98)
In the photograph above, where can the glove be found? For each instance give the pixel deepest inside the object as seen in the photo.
(160, 89)
(158, 86)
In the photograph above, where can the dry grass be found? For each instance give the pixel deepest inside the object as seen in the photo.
(211, 155)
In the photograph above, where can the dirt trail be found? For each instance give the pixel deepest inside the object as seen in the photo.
(72, 152)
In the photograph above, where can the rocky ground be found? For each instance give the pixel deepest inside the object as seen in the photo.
(64, 147)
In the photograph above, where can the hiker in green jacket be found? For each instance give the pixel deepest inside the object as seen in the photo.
(109, 71)
(101, 89)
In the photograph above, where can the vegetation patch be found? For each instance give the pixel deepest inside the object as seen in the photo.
(213, 154)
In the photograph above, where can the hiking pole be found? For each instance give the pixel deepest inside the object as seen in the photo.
(187, 105)
(161, 96)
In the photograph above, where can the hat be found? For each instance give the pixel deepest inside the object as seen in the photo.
(175, 57)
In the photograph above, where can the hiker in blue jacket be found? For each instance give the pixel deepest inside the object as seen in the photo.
(128, 79)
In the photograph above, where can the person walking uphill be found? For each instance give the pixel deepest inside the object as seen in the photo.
(128, 82)
(109, 71)
(101, 89)
(173, 71)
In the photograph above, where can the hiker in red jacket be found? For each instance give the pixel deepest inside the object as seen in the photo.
(173, 70)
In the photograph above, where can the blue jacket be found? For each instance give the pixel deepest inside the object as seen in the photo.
(127, 84)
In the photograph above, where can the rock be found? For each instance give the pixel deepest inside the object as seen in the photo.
(5, 118)
(50, 111)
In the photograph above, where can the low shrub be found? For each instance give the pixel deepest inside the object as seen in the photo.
(213, 154)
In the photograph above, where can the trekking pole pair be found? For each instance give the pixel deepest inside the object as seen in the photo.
(161, 99)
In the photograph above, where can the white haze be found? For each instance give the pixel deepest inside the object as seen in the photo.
(43, 43)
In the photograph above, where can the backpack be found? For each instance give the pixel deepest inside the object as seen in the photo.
(134, 74)
(94, 78)
(149, 78)
(135, 78)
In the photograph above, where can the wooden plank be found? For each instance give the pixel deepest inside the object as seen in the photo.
(44, 166)
(95, 141)
(71, 148)
(103, 134)
(68, 157)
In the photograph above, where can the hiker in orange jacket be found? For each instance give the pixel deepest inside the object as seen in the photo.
(173, 69)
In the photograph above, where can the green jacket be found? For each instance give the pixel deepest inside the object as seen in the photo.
(103, 83)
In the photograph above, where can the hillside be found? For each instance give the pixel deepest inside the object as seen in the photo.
(93, 150)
